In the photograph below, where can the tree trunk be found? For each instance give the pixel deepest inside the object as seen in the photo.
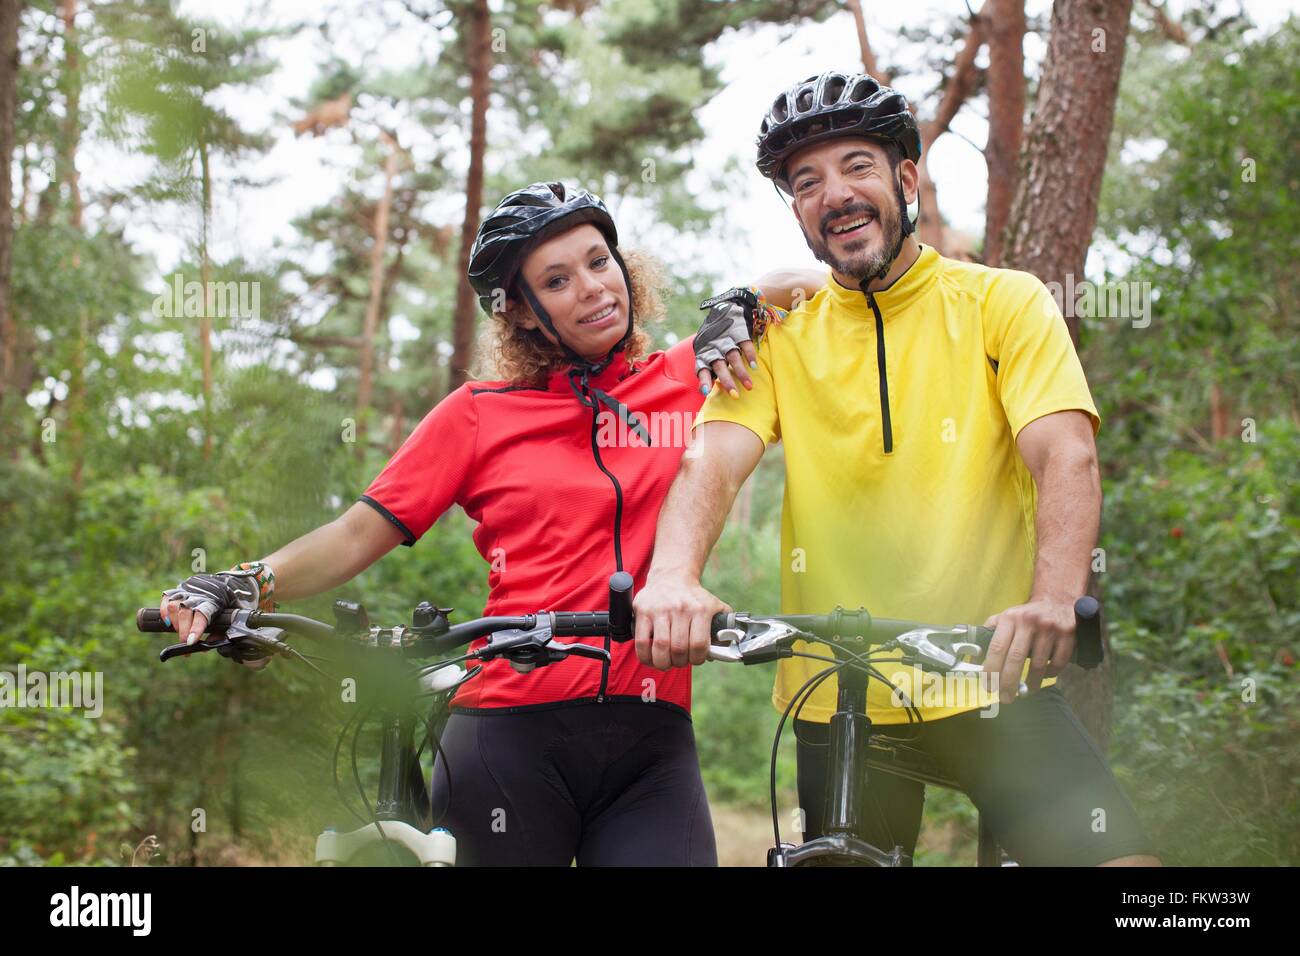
(205, 277)
(378, 246)
(930, 227)
(397, 434)
(869, 63)
(1006, 86)
(1064, 153)
(478, 39)
(10, 11)
(1220, 413)
(66, 173)
(1055, 206)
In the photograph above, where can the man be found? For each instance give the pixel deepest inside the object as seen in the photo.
(940, 466)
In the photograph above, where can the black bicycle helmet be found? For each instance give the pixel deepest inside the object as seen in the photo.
(828, 106)
(523, 219)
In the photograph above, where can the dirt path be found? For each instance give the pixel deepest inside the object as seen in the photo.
(744, 835)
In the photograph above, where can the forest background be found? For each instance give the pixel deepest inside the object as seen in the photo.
(329, 162)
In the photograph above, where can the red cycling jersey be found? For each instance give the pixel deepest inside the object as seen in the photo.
(560, 492)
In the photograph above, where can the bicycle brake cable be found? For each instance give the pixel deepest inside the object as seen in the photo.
(338, 782)
(801, 695)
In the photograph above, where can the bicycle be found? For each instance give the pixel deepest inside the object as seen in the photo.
(753, 639)
(403, 814)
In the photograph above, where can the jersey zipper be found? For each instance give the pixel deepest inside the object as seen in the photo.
(618, 540)
(887, 426)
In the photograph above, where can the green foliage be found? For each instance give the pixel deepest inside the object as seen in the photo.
(107, 496)
(162, 75)
(732, 706)
(1201, 534)
(1203, 611)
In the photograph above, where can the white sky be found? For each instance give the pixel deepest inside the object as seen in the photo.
(759, 233)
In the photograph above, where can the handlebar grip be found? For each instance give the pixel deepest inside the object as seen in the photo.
(1088, 651)
(620, 607)
(150, 621)
(579, 624)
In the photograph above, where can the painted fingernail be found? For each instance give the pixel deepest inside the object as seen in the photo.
(753, 364)
(167, 621)
(734, 393)
(194, 636)
(704, 389)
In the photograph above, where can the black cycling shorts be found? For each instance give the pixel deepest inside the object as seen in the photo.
(606, 784)
(1038, 780)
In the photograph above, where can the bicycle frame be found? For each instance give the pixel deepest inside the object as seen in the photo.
(402, 813)
(842, 842)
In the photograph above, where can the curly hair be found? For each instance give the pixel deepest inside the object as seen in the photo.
(525, 357)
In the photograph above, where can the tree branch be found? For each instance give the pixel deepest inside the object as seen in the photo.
(326, 341)
(869, 62)
(960, 85)
(1171, 28)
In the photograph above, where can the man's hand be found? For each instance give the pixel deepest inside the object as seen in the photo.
(1041, 631)
(673, 617)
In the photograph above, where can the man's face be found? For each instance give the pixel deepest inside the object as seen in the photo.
(846, 201)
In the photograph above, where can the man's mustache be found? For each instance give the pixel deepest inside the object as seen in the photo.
(862, 209)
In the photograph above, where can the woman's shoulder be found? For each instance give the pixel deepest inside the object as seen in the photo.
(484, 388)
(676, 362)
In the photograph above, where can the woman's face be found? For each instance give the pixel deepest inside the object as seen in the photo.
(581, 287)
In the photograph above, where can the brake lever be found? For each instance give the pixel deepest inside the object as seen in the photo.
(185, 650)
(236, 639)
(761, 640)
(942, 650)
(527, 650)
(576, 650)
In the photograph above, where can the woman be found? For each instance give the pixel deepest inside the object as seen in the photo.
(564, 464)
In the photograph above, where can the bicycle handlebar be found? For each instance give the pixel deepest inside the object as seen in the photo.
(850, 626)
(530, 633)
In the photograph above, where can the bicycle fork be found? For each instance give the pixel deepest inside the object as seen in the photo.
(842, 843)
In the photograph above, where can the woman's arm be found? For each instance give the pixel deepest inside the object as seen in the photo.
(319, 560)
(790, 288)
(333, 553)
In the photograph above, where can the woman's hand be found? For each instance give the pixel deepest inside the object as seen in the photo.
(723, 346)
(188, 624)
(197, 599)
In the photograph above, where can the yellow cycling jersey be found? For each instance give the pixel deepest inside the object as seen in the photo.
(904, 491)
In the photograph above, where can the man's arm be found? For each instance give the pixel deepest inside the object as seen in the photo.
(1061, 455)
(673, 611)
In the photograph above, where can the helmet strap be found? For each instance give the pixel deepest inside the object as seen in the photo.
(906, 228)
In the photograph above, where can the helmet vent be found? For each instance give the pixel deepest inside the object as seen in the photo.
(832, 90)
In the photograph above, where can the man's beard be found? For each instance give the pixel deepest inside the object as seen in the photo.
(859, 263)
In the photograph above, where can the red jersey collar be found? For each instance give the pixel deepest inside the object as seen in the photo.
(617, 370)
